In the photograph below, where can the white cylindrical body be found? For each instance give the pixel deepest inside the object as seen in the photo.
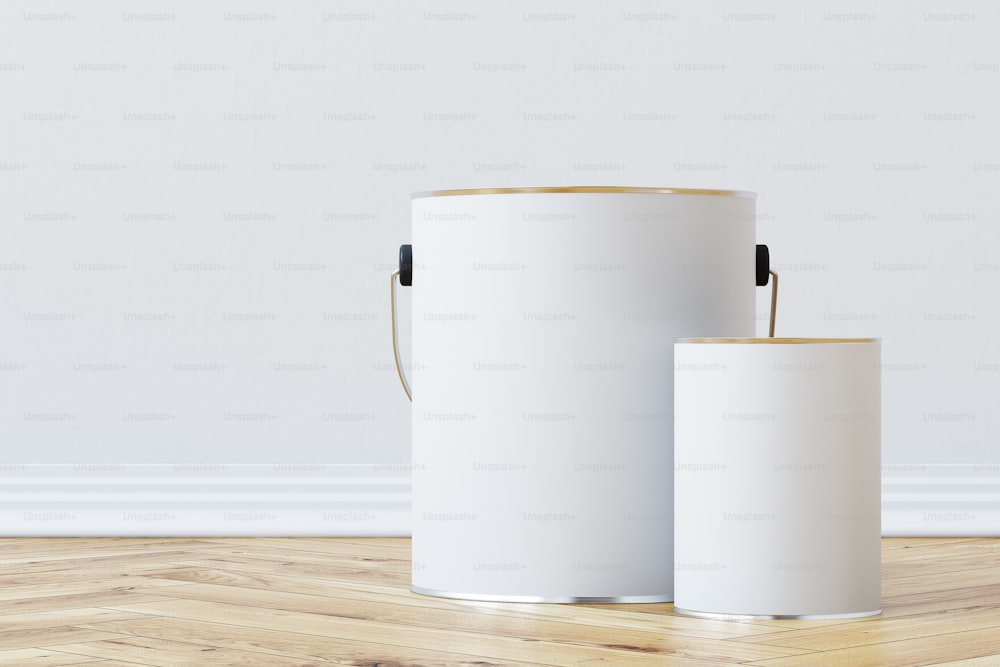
(777, 477)
(542, 348)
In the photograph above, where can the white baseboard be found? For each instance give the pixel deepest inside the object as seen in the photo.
(370, 500)
(197, 500)
(941, 499)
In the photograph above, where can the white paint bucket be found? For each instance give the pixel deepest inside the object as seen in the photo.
(542, 350)
(777, 474)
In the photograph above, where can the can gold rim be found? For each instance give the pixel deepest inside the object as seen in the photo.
(585, 189)
(780, 341)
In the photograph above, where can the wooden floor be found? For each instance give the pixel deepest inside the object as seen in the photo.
(346, 601)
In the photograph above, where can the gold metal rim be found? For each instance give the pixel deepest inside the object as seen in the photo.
(780, 341)
(585, 189)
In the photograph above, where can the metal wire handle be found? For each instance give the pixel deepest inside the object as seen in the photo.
(774, 301)
(395, 342)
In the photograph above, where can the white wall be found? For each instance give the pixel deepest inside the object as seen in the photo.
(200, 202)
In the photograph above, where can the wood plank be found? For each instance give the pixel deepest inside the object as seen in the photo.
(63, 559)
(395, 542)
(343, 559)
(14, 545)
(893, 543)
(170, 652)
(912, 653)
(940, 582)
(381, 575)
(938, 565)
(296, 645)
(936, 548)
(87, 585)
(13, 550)
(427, 636)
(958, 600)
(123, 572)
(62, 617)
(99, 598)
(36, 657)
(398, 547)
(985, 661)
(52, 637)
(98, 562)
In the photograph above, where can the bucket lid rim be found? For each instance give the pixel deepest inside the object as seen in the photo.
(773, 341)
(584, 189)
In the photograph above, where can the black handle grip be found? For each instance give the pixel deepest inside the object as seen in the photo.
(763, 265)
(406, 265)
